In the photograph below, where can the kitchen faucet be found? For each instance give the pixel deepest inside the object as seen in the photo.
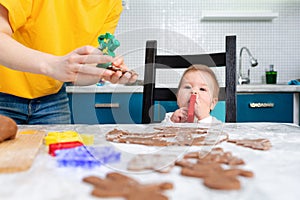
(253, 62)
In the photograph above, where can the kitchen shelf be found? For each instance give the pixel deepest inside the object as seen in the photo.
(238, 15)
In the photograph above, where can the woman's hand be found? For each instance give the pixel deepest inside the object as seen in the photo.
(123, 74)
(79, 67)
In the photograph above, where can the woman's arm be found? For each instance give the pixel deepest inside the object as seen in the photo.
(79, 66)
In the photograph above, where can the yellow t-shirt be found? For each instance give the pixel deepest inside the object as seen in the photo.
(56, 27)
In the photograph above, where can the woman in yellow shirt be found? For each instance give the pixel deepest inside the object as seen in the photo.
(44, 43)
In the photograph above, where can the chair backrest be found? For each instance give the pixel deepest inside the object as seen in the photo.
(153, 61)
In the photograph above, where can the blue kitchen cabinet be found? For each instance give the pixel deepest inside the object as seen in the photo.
(106, 108)
(265, 107)
(126, 108)
(121, 108)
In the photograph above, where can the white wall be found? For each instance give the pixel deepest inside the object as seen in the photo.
(178, 27)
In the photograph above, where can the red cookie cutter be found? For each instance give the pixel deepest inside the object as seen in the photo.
(191, 108)
(63, 145)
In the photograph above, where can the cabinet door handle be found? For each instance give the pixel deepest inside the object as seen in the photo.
(261, 105)
(107, 105)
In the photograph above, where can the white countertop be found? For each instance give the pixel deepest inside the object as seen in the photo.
(267, 88)
(109, 88)
(276, 171)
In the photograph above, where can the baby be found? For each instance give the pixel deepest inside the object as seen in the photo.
(199, 80)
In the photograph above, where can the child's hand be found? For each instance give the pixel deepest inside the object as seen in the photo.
(180, 115)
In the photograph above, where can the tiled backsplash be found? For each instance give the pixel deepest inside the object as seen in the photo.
(178, 28)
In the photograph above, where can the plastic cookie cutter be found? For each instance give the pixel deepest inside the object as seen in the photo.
(87, 139)
(108, 44)
(86, 157)
(63, 145)
(65, 136)
(191, 109)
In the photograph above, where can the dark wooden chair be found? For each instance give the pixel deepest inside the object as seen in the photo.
(153, 61)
